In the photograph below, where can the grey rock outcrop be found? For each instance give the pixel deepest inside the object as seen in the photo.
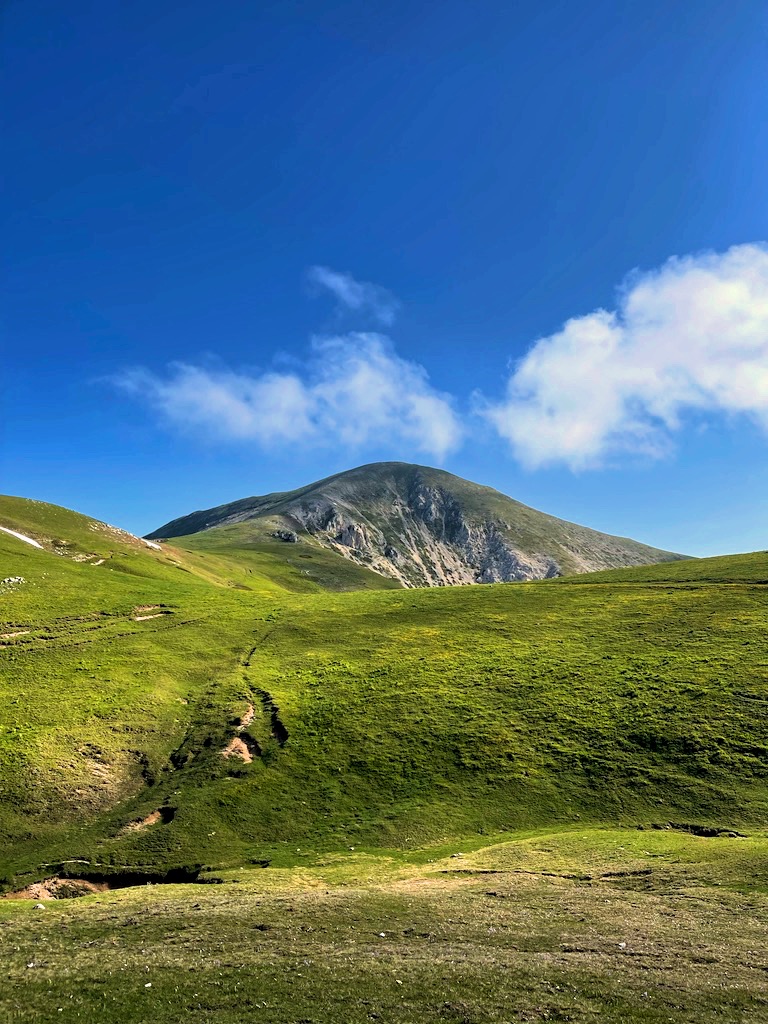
(289, 536)
(423, 539)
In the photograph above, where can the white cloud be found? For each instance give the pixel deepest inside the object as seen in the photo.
(355, 391)
(692, 335)
(357, 296)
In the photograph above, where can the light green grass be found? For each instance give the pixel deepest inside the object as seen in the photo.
(304, 567)
(748, 568)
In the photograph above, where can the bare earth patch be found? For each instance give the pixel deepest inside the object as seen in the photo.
(137, 826)
(56, 888)
(247, 718)
(97, 779)
(237, 748)
(156, 611)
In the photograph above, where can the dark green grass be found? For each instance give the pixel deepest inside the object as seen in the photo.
(438, 712)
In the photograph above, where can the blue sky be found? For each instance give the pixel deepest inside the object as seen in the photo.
(251, 245)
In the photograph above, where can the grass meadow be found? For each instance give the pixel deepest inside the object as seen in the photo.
(539, 801)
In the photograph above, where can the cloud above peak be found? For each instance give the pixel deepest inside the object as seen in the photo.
(690, 336)
(355, 296)
(687, 339)
(353, 391)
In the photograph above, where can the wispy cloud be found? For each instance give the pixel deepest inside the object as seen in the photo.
(691, 335)
(355, 296)
(354, 391)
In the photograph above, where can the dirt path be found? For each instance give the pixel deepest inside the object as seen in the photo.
(247, 718)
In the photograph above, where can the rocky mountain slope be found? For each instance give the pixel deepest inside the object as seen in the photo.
(422, 527)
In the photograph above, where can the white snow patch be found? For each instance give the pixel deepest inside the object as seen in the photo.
(151, 544)
(22, 536)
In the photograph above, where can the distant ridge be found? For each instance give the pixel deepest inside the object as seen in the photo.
(422, 527)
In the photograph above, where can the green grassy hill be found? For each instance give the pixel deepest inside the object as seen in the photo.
(395, 718)
(529, 801)
(107, 648)
(748, 568)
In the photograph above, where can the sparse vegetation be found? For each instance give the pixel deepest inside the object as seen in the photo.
(627, 926)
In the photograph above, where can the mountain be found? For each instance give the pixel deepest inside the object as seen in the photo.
(421, 527)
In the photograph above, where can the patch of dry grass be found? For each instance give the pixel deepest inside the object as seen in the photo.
(496, 935)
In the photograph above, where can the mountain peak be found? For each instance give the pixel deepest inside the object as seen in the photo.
(421, 526)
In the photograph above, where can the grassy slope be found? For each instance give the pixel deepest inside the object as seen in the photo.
(93, 702)
(411, 715)
(305, 567)
(749, 568)
(430, 713)
(623, 926)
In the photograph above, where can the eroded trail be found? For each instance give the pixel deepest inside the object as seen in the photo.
(260, 721)
(79, 630)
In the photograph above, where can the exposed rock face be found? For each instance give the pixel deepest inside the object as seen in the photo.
(425, 527)
(425, 540)
(286, 535)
